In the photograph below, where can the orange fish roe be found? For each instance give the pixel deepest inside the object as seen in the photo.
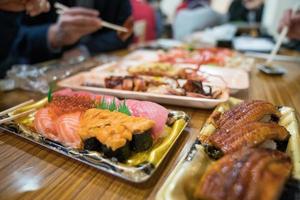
(69, 104)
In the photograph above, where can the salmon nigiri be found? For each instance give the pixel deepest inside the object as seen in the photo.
(44, 123)
(67, 126)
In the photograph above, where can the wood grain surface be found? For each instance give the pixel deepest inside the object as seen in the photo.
(28, 171)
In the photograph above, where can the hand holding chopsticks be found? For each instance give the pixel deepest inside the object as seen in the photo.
(75, 23)
(283, 33)
(16, 116)
(268, 67)
(62, 8)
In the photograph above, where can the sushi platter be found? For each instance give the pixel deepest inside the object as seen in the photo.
(182, 77)
(234, 79)
(125, 138)
(201, 174)
(204, 89)
(219, 57)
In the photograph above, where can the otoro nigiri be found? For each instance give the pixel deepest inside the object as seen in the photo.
(153, 111)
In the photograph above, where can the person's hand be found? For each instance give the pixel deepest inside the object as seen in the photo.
(252, 4)
(129, 25)
(32, 7)
(72, 25)
(293, 24)
(36, 7)
(76, 52)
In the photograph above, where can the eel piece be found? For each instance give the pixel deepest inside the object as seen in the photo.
(254, 174)
(247, 135)
(246, 112)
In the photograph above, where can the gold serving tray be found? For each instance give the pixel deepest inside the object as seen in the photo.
(181, 183)
(138, 168)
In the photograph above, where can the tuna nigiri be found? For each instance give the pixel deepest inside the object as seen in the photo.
(153, 111)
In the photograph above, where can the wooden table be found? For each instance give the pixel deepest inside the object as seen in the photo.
(28, 171)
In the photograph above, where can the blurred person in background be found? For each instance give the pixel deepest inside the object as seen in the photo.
(10, 14)
(159, 17)
(292, 21)
(78, 31)
(143, 11)
(246, 11)
(194, 15)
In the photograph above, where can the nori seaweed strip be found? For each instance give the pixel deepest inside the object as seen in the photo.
(122, 153)
(92, 144)
(141, 141)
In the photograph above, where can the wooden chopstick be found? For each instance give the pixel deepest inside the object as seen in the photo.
(16, 107)
(61, 8)
(275, 50)
(114, 26)
(281, 37)
(23, 114)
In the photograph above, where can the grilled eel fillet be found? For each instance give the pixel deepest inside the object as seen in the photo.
(248, 111)
(247, 135)
(254, 174)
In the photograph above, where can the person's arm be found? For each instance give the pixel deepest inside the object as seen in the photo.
(9, 23)
(104, 42)
(109, 40)
(46, 38)
(10, 17)
(32, 7)
(31, 44)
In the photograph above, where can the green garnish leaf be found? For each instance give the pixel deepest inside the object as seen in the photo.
(113, 105)
(124, 109)
(190, 48)
(103, 105)
(50, 91)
